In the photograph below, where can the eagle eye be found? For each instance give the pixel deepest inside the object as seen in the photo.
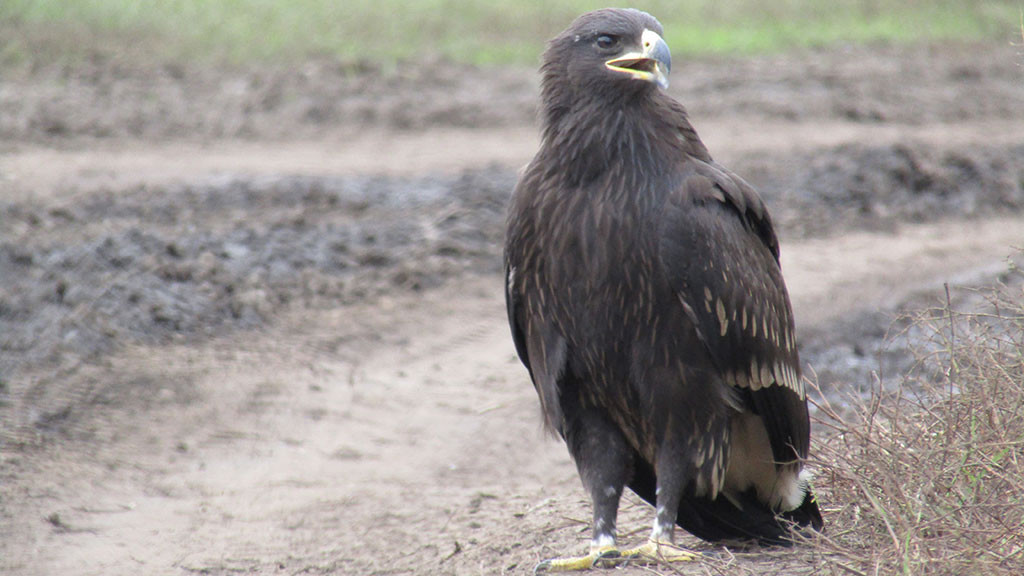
(607, 41)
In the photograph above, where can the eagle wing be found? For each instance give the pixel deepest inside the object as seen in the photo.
(720, 254)
(512, 308)
(540, 348)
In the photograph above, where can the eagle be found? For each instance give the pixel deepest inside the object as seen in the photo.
(646, 300)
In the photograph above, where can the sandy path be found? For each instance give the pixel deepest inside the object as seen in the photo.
(395, 437)
(32, 171)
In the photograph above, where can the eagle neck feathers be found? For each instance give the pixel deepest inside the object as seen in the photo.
(625, 139)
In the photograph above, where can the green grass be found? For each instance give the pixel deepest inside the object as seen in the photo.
(475, 31)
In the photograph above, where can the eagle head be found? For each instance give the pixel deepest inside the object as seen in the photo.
(610, 52)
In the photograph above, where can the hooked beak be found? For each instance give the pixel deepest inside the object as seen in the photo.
(651, 64)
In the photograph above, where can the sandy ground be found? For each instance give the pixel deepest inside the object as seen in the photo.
(288, 354)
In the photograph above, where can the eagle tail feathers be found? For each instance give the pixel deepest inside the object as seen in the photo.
(745, 519)
(741, 518)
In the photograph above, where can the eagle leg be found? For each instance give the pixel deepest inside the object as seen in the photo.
(605, 462)
(672, 472)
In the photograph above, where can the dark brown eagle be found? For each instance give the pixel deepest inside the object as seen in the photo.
(646, 300)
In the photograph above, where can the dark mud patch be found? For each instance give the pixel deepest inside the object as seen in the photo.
(156, 264)
(159, 265)
(861, 186)
(909, 344)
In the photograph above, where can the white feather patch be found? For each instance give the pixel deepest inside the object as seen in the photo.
(751, 464)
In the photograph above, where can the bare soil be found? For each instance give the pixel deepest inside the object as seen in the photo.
(251, 320)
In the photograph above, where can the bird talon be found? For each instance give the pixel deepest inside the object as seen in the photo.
(655, 551)
(605, 557)
(608, 558)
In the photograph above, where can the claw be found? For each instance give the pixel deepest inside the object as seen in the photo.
(655, 551)
(605, 556)
(608, 558)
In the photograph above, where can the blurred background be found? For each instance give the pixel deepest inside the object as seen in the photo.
(468, 31)
(251, 315)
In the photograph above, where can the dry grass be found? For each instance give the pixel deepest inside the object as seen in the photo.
(929, 478)
(924, 476)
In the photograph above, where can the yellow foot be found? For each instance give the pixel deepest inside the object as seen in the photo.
(655, 551)
(599, 556)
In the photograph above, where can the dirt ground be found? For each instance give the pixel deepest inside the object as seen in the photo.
(251, 321)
